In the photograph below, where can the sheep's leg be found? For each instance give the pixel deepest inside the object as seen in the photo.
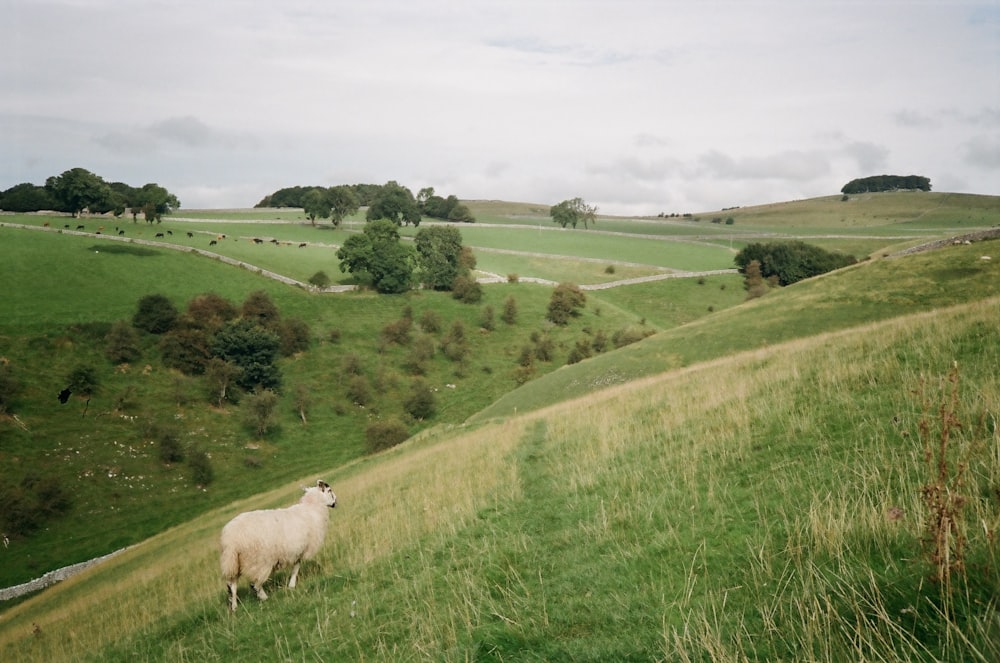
(295, 575)
(232, 595)
(261, 594)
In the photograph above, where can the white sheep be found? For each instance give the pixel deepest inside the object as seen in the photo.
(256, 543)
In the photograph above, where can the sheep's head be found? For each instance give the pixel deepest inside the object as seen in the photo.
(321, 493)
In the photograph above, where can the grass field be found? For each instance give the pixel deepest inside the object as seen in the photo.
(744, 485)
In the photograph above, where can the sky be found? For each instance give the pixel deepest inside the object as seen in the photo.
(636, 106)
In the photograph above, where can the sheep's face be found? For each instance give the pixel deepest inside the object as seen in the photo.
(326, 493)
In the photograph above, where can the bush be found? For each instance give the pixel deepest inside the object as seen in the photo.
(188, 349)
(210, 311)
(629, 335)
(381, 435)
(168, 442)
(509, 315)
(83, 380)
(201, 468)
(259, 308)
(122, 343)
(566, 299)
(319, 279)
(359, 391)
(454, 345)
(430, 321)
(467, 290)
(259, 411)
(581, 350)
(155, 314)
(10, 387)
(790, 262)
(488, 320)
(420, 403)
(397, 332)
(294, 336)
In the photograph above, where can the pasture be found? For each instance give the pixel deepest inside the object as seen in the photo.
(718, 491)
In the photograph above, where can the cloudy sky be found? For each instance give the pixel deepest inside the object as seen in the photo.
(638, 106)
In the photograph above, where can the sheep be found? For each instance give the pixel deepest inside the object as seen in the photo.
(255, 543)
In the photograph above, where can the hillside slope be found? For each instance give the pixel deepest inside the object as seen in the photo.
(764, 506)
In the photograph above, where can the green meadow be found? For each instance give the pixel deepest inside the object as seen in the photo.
(753, 481)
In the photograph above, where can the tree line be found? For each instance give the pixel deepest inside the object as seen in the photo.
(878, 183)
(391, 201)
(78, 190)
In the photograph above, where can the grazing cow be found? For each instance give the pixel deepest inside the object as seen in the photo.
(212, 243)
(302, 245)
(159, 234)
(121, 233)
(257, 241)
(79, 228)
(170, 232)
(64, 395)
(190, 234)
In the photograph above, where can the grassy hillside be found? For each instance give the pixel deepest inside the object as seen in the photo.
(763, 506)
(876, 290)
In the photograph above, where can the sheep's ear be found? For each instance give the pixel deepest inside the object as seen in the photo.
(322, 484)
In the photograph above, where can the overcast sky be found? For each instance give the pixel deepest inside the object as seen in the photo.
(637, 106)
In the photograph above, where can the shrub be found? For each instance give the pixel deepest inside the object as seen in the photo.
(509, 315)
(10, 387)
(610, 269)
(381, 435)
(201, 468)
(420, 403)
(358, 390)
(566, 299)
(259, 308)
(168, 442)
(351, 364)
(294, 336)
(430, 321)
(83, 380)
(210, 311)
(421, 352)
(629, 335)
(513, 278)
(155, 314)
(319, 279)
(186, 348)
(488, 320)
(467, 290)
(122, 343)
(581, 350)
(397, 332)
(259, 411)
(454, 345)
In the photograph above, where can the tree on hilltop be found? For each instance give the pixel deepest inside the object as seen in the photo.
(572, 212)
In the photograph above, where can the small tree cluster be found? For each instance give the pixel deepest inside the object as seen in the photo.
(566, 300)
(790, 262)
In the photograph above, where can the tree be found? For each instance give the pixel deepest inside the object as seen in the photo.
(566, 299)
(253, 349)
(438, 251)
(315, 203)
(420, 403)
(395, 203)
(376, 256)
(260, 309)
(156, 314)
(26, 197)
(78, 189)
(790, 262)
(154, 201)
(572, 212)
(220, 375)
(343, 203)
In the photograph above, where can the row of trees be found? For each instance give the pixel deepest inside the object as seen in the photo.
(391, 201)
(877, 183)
(378, 258)
(785, 263)
(78, 190)
(573, 212)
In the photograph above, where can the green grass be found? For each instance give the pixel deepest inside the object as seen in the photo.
(730, 505)
(735, 510)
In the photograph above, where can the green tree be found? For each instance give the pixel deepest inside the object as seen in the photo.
(261, 309)
(790, 262)
(395, 203)
(438, 251)
(252, 348)
(78, 189)
(566, 299)
(420, 403)
(315, 203)
(156, 314)
(509, 314)
(572, 212)
(377, 257)
(343, 203)
(155, 202)
(26, 197)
